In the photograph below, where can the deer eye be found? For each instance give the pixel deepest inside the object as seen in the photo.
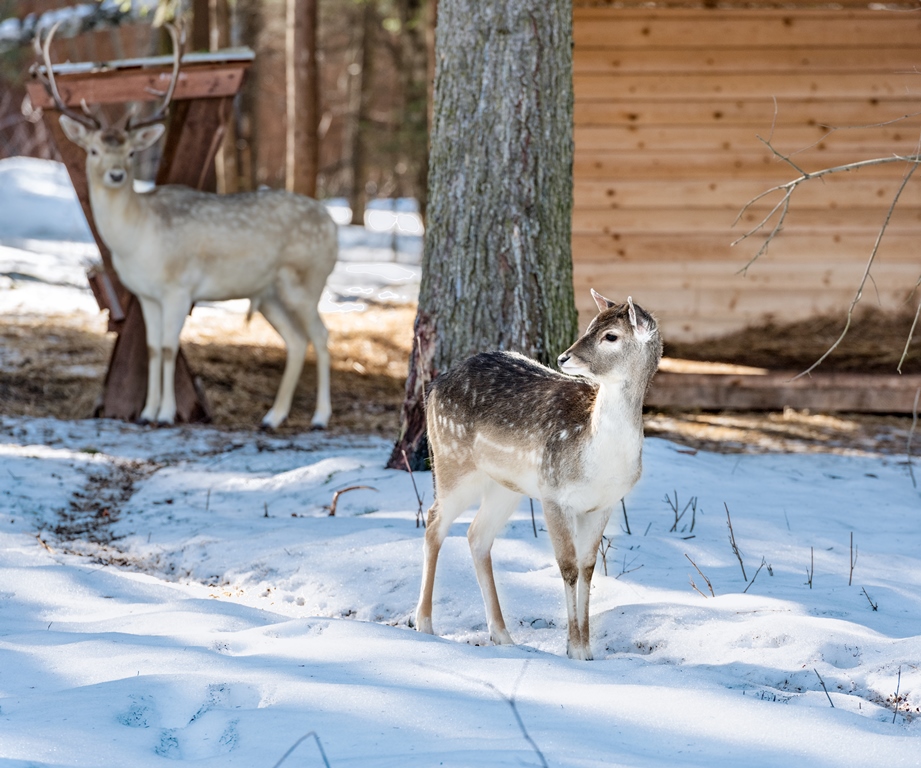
(94, 152)
(610, 337)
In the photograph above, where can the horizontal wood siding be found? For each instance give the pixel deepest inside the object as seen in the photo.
(672, 106)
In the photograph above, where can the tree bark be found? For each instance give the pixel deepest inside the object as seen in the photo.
(225, 164)
(358, 195)
(270, 101)
(415, 22)
(497, 265)
(303, 96)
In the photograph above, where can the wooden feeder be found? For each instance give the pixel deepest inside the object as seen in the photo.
(199, 112)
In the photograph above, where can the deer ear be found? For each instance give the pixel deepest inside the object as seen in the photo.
(641, 322)
(146, 137)
(601, 302)
(74, 130)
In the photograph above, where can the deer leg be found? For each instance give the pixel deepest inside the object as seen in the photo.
(588, 530)
(153, 322)
(319, 337)
(561, 536)
(302, 297)
(175, 309)
(447, 507)
(296, 348)
(496, 508)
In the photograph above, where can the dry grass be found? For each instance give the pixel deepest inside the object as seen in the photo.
(54, 366)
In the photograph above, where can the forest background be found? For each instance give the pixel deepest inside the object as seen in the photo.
(359, 70)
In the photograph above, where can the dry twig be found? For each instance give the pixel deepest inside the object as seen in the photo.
(732, 542)
(337, 494)
(763, 563)
(420, 517)
(823, 687)
(853, 560)
(709, 585)
(911, 434)
(896, 699)
(874, 606)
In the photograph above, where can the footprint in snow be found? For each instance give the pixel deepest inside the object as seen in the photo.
(212, 730)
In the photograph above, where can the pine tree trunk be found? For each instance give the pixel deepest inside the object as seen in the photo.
(497, 267)
(303, 97)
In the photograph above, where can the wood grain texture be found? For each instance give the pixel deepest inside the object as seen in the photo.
(671, 109)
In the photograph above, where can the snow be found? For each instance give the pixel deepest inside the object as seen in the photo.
(181, 595)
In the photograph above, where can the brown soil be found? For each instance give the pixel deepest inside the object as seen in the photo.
(54, 365)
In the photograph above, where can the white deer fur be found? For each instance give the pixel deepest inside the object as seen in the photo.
(502, 426)
(174, 246)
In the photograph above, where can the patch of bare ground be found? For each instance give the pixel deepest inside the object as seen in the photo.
(53, 365)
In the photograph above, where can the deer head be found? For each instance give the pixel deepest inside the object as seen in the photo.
(622, 340)
(110, 149)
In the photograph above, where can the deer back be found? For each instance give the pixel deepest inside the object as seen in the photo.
(531, 427)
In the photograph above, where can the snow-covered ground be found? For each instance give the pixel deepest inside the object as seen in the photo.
(181, 595)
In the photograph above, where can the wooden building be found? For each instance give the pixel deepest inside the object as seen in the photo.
(670, 103)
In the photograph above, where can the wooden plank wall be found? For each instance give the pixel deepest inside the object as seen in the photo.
(669, 104)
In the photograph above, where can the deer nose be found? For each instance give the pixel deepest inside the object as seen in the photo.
(116, 177)
(563, 359)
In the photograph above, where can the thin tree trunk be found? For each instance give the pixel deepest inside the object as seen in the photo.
(497, 266)
(270, 102)
(303, 96)
(358, 196)
(414, 69)
(225, 163)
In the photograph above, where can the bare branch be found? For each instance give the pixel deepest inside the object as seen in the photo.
(732, 542)
(911, 434)
(823, 687)
(709, 585)
(911, 335)
(866, 274)
(763, 563)
(337, 494)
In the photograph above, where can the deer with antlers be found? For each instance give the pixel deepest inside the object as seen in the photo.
(174, 246)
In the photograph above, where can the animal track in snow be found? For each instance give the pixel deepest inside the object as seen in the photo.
(214, 728)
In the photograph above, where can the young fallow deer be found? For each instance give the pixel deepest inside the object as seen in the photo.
(174, 246)
(502, 426)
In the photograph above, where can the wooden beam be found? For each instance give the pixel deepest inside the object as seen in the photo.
(119, 86)
(824, 392)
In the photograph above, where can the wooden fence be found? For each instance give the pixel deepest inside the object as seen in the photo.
(669, 107)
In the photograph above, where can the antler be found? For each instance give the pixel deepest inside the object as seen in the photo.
(160, 114)
(86, 117)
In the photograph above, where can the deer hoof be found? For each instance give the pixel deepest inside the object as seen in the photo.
(579, 653)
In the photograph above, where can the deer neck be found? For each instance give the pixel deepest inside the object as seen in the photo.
(118, 213)
(618, 407)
